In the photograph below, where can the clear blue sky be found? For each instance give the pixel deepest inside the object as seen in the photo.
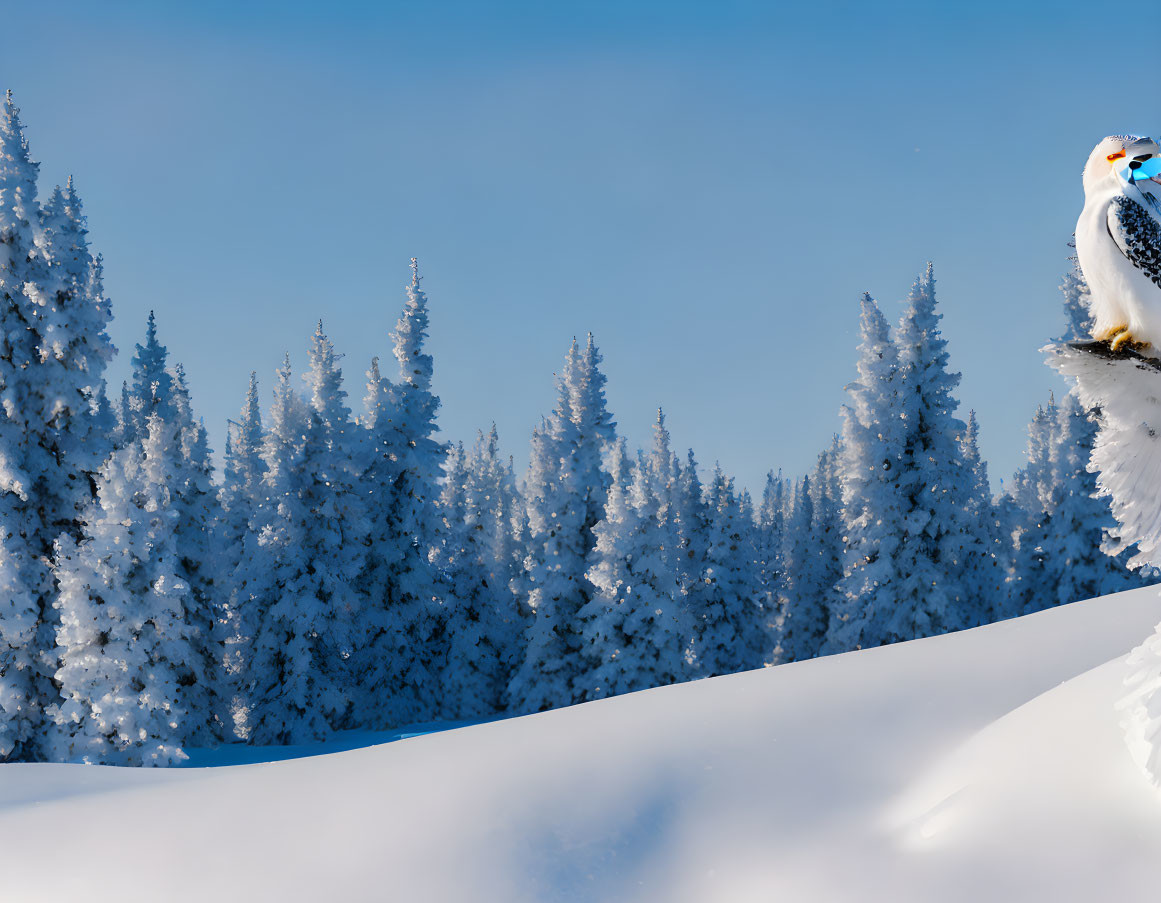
(707, 187)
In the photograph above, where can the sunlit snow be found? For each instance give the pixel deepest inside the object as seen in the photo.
(984, 765)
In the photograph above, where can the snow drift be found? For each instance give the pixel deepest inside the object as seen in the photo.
(987, 764)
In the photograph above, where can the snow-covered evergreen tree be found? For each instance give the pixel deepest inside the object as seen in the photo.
(1077, 303)
(559, 545)
(1062, 555)
(1032, 484)
(202, 550)
(74, 323)
(635, 629)
(1033, 492)
(805, 614)
(938, 535)
(294, 692)
(483, 627)
(125, 637)
(151, 388)
(401, 662)
(161, 393)
(691, 518)
(769, 542)
(985, 573)
(907, 488)
(483, 561)
(53, 351)
(875, 507)
(241, 492)
(732, 630)
(828, 528)
(339, 527)
(494, 511)
(567, 490)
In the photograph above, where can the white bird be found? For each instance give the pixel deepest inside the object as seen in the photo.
(1118, 242)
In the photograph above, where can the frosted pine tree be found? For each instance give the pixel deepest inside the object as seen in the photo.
(1074, 564)
(471, 685)
(53, 351)
(986, 572)
(494, 510)
(770, 541)
(691, 517)
(484, 561)
(337, 532)
(1077, 302)
(453, 495)
(635, 630)
(125, 637)
(24, 592)
(558, 548)
(202, 559)
(610, 662)
(75, 320)
(241, 492)
(732, 628)
(938, 535)
(806, 611)
(124, 430)
(567, 489)
(242, 475)
(875, 505)
(151, 388)
(1032, 484)
(596, 430)
(480, 625)
(829, 531)
(1033, 491)
(296, 582)
(402, 663)
(161, 393)
(293, 691)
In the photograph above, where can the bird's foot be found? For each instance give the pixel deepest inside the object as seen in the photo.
(1120, 338)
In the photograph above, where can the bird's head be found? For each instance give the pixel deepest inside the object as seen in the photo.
(1120, 160)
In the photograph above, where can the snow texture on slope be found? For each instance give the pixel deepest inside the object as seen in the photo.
(962, 767)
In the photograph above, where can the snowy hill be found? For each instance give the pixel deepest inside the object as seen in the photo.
(985, 765)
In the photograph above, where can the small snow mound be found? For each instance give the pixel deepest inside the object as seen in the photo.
(1142, 706)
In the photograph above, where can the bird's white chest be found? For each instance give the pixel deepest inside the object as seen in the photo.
(1121, 294)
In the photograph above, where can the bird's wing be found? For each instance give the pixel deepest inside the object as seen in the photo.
(1138, 235)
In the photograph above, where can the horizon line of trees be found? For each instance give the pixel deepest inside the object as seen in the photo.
(350, 571)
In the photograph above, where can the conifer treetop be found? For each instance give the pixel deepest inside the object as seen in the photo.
(415, 366)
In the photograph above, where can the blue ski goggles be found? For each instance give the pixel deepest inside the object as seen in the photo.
(1149, 169)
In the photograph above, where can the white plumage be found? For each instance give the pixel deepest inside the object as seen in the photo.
(1118, 241)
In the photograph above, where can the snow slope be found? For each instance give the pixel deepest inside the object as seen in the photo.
(985, 765)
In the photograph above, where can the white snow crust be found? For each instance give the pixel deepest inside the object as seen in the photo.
(983, 765)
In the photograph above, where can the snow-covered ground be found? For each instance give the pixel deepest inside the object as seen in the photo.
(986, 765)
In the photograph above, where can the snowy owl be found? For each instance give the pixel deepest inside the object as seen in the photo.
(1118, 242)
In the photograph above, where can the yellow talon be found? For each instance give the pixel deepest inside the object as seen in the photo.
(1111, 333)
(1121, 337)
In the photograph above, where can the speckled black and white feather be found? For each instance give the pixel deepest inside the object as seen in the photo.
(1138, 236)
